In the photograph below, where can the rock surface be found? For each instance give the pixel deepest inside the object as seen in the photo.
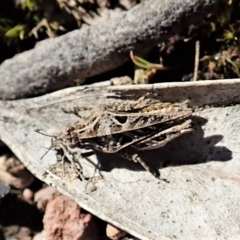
(202, 168)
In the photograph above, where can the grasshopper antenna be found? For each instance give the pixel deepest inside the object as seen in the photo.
(39, 131)
(46, 153)
(44, 134)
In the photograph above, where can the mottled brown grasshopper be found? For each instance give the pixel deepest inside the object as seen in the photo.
(126, 128)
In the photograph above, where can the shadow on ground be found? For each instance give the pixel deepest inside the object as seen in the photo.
(188, 149)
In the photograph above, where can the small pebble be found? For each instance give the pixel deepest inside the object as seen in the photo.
(43, 196)
(115, 233)
(28, 194)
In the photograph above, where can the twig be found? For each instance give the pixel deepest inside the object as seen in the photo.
(196, 62)
(56, 63)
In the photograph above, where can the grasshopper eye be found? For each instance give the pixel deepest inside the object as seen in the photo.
(69, 129)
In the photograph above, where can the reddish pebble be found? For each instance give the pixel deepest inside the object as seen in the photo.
(63, 220)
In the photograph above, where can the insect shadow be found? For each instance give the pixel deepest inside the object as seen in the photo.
(188, 149)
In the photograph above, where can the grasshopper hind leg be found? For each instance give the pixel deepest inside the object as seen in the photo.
(137, 159)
